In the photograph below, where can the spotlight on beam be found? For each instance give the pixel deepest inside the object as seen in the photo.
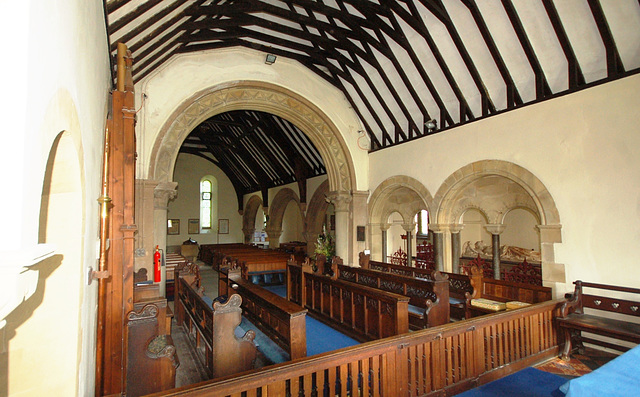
(270, 59)
(431, 125)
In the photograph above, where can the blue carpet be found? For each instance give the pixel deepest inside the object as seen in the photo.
(529, 382)
(273, 353)
(320, 337)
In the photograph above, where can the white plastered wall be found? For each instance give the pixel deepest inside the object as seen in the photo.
(179, 79)
(189, 171)
(583, 147)
(57, 79)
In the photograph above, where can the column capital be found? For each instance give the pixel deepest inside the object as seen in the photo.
(340, 200)
(385, 226)
(438, 227)
(164, 192)
(409, 227)
(455, 228)
(495, 228)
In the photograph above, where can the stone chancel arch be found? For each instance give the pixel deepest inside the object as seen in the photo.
(269, 98)
(255, 96)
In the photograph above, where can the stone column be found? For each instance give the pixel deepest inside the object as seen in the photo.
(359, 217)
(384, 227)
(438, 245)
(274, 237)
(409, 227)
(311, 239)
(145, 206)
(455, 246)
(495, 230)
(341, 202)
(162, 193)
(248, 234)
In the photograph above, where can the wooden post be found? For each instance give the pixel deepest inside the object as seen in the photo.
(116, 299)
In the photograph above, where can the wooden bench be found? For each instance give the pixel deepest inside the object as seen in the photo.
(496, 295)
(151, 352)
(362, 312)
(459, 284)
(283, 321)
(573, 320)
(211, 329)
(428, 299)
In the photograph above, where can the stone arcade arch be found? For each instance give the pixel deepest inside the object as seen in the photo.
(266, 97)
(401, 194)
(451, 202)
(316, 212)
(249, 217)
(276, 214)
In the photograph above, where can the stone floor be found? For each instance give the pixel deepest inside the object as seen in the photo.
(191, 369)
(579, 364)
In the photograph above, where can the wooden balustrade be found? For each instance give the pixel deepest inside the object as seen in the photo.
(428, 299)
(438, 361)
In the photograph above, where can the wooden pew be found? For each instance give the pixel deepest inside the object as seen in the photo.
(362, 312)
(212, 329)
(283, 321)
(151, 354)
(459, 284)
(255, 262)
(495, 295)
(611, 317)
(428, 299)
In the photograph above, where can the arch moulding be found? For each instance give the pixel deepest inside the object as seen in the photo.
(447, 199)
(379, 208)
(447, 196)
(259, 96)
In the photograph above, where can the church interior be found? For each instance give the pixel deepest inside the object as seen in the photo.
(452, 150)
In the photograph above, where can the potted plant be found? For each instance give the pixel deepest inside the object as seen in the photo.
(325, 249)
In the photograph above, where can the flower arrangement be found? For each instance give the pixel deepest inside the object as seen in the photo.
(325, 245)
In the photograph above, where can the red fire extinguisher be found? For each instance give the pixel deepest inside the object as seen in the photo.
(156, 265)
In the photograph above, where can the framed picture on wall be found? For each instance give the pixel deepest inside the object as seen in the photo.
(173, 226)
(223, 226)
(194, 226)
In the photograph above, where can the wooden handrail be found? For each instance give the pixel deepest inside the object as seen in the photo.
(419, 363)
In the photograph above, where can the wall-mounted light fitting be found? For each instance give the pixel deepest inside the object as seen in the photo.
(270, 59)
(431, 125)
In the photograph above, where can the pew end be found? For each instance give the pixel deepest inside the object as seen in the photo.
(231, 354)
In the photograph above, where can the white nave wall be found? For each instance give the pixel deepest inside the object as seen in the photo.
(179, 79)
(57, 80)
(585, 149)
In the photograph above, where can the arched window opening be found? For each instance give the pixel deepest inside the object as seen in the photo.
(422, 222)
(208, 203)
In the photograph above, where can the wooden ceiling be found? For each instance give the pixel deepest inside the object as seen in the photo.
(401, 63)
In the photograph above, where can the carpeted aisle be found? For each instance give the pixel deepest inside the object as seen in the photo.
(321, 338)
(529, 382)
